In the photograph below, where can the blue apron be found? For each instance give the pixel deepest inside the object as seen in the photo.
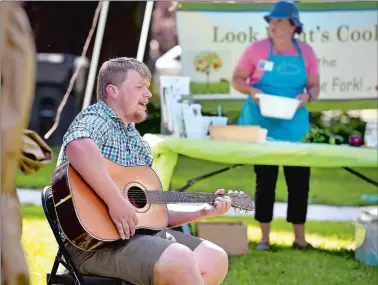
(288, 79)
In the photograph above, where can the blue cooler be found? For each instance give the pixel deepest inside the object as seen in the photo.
(367, 236)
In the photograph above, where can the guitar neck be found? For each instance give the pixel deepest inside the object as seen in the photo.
(167, 197)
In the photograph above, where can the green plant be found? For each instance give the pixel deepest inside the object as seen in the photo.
(337, 130)
(318, 135)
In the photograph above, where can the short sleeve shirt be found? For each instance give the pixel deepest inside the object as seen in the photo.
(260, 50)
(118, 143)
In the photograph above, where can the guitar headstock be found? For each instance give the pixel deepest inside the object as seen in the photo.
(240, 200)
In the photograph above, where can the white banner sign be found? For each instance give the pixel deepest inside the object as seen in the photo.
(345, 42)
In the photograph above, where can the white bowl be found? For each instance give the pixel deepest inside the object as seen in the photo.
(278, 107)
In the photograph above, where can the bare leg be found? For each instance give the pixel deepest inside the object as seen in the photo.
(177, 266)
(265, 230)
(212, 262)
(299, 233)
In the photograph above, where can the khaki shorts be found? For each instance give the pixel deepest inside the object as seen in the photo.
(132, 260)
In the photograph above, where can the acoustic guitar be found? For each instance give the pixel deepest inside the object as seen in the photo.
(84, 217)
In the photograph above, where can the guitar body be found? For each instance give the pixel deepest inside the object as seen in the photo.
(84, 217)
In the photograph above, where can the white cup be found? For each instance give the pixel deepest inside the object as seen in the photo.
(219, 121)
(197, 129)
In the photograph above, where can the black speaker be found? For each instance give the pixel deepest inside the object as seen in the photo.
(54, 72)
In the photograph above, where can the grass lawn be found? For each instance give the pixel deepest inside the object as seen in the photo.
(333, 186)
(332, 263)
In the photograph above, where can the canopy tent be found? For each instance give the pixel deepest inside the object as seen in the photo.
(98, 43)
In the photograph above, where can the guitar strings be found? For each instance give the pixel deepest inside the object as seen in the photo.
(167, 195)
(143, 197)
(176, 194)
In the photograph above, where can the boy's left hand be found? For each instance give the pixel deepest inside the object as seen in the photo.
(220, 207)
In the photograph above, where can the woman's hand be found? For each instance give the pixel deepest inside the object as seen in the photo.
(303, 98)
(253, 93)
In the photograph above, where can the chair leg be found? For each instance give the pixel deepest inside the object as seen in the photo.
(58, 260)
(78, 279)
(55, 267)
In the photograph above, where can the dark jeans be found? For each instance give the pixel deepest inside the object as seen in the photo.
(298, 185)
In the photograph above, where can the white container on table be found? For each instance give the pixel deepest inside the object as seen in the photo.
(371, 134)
(196, 125)
(219, 121)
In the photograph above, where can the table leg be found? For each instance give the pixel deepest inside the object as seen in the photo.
(363, 177)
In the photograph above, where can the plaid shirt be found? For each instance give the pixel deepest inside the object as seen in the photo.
(118, 143)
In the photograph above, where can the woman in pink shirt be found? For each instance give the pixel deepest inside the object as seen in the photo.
(284, 66)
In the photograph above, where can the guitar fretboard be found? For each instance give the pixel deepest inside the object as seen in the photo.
(158, 197)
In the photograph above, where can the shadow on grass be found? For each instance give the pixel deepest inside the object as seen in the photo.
(275, 248)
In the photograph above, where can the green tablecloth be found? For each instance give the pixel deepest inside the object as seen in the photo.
(166, 150)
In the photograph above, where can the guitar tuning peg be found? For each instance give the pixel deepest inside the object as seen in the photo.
(241, 192)
(230, 192)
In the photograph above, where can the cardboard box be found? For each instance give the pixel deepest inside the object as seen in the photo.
(232, 237)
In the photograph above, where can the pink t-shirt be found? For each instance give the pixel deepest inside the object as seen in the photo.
(260, 51)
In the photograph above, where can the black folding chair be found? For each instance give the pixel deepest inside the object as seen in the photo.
(70, 275)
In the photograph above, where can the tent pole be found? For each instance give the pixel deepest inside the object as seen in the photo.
(145, 30)
(96, 54)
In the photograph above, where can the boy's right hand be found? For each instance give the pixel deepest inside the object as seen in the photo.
(123, 214)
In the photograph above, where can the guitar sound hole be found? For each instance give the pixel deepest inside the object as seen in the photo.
(137, 197)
